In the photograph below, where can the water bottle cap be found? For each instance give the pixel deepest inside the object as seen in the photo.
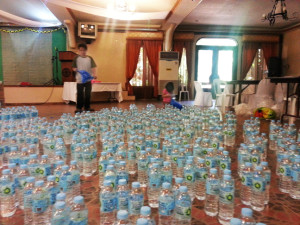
(60, 205)
(6, 171)
(297, 160)
(122, 215)
(227, 172)
(142, 221)
(78, 199)
(14, 149)
(73, 162)
(61, 197)
(136, 185)
(190, 157)
(33, 156)
(152, 160)
(248, 164)
(107, 183)
(166, 185)
(158, 151)
(24, 149)
(112, 161)
(145, 210)
(44, 156)
(247, 212)
(143, 152)
(178, 180)
(39, 183)
(65, 167)
(12, 165)
(59, 153)
(260, 224)
(183, 189)
(225, 153)
(60, 162)
(227, 177)
(110, 167)
(213, 171)
(235, 221)
(293, 147)
(264, 163)
(23, 167)
(30, 179)
(210, 149)
(200, 160)
(122, 182)
(166, 163)
(182, 150)
(122, 163)
(189, 161)
(155, 165)
(51, 178)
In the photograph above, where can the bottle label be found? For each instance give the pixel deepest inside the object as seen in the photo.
(268, 177)
(75, 178)
(189, 177)
(142, 164)
(285, 171)
(45, 171)
(295, 175)
(201, 174)
(227, 196)
(180, 161)
(131, 155)
(102, 167)
(259, 185)
(123, 198)
(225, 165)
(255, 159)
(167, 177)
(166, 208)
(79, 218)
(156, 144)
(135, 204)
(215, 145)
(88, 156)
(108, 202)
(22, 182)
(65, 182)
(211, 163)
(28, 199)
(53, 191)
(7, 189)
(123, 175)
(247, 180)
(113, 180)
(212, 187)
(40, 203)
(154, 180)
(204, 151)
(183, 213)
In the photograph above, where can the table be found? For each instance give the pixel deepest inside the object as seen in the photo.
(240, 83)
(70, 90)
(288, 81)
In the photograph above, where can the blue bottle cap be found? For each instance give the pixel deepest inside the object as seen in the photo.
(60, 162)
(178, 180)
(60, 205)
(258, 168)
(213, 171)
(260, 224)
(61, 197)
(155, 165)
(136, 185)
(166, 185)
(39, 183)
(145, 210)
(143, 152)
(248, 164)
(183, 189)
(110, 167)
(24, 149)
(65, 167)
(107, 183)
(13, 149)
(227, 177)
(73, 162)
(190, 157)
(225, 153)
(122, 163)
(142, 221)
(166, 163)
(51, 178)
(122, 182)
(247, 212)
(59, 153)
(44, 156)
(122, 215)
(6, 171)
(189, 161)
(200, 160)
(227, 172)
(78, 200)
(30, 179)
(264, 163)
(235, 221)
(12, 165)
(33, 156)
(23, 167)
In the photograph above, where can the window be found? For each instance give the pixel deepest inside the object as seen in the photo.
(183, 72)
(143, 74)
(258, 67)
(216, 57)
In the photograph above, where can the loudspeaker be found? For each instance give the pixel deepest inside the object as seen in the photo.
(274, 67)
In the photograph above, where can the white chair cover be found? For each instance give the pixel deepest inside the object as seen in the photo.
(202, 98)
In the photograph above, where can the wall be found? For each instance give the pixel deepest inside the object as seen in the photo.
(291, 53)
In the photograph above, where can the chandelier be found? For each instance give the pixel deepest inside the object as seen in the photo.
(121, 6)
(279, 9)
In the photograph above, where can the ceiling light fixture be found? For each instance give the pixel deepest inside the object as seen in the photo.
(279, 9)
(121, 6)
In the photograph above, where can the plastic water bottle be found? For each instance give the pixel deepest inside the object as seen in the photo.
(166, 204)
(79, 212)
(14, 155)
(108, 201)
(212, 193)
(27, 203)
(246, 187)
(122, 172)
(247, 217)
(44, 168)
(7, 194)
(122, 195)
(142, 169)
(267, 173)
(142, 221)
(154, 185)
(146, 214)
(136, 201)
(225, 163)
(103, 162)
(75, 178)
(235, 221)
(272, 135)
(258, 190)
(189, 178)
(285, 174)
(131, 158)
(52, 188)
(40, 204)
(167, 173)
(183, 207)
(226, 200)
(229, 137)
(32, 165)
(295, 187)
(177, 185)
(122, 218)
(200, 179)
(65, 182)
(57, 171)
(110, 175)
(60, 214)
(180, 163)
(22, 176)
(14, 171)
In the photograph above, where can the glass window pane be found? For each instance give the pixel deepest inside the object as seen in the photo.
(225, 64)
(204, 65)
(217, 42)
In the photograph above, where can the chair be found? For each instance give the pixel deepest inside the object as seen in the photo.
(184, 90)
(222, 95)
(202, 98)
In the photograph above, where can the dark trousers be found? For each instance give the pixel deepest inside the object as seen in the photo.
(84, 95)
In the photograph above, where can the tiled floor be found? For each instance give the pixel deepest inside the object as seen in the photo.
(282, 209)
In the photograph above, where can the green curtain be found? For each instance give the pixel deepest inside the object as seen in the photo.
(1, 66)
(58, 44)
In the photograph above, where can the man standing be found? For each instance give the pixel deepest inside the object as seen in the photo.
(86, 63)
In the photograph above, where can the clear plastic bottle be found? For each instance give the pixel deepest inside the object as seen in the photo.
(226, 200)
(285, 174)
(212, 193)
(122, 195)
(177, 185)
(108, 202)
(7, 195)
(258, 189)
(154, 185)
(136, 201)
(174, 155)
(79, 212)
(181, 158)
(40, 204)
(142, 169)
(57, 171)
(272, 135)
(200, 179)
(295, 187)
(235, 221)
(189, 178)
(102, 164)
(267, 174)
(32, 165)
(225, 163)
(60, 214)
(14, 171)
(65, 183)
(229, 137)
(167, 173)
(110, 175)
(75, 178)
(122, 172)
(122, 218)
(131, 159)
(44, 168)
(52, 188)
(247, 217)
(28, 189)
(22, 176)
(183, 207)
(146, 214)
(142, 221)
(14, 155)
(166, 204)
(246, 187)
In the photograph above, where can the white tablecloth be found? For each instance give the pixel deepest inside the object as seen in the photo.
(70, 90)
